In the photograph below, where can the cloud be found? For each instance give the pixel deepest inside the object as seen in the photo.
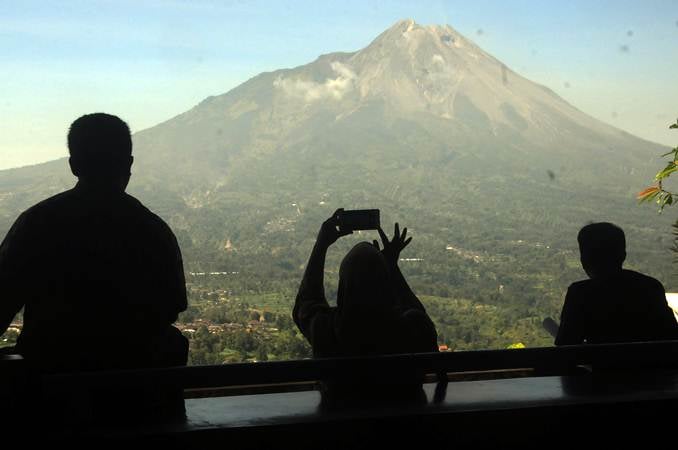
(310, 91)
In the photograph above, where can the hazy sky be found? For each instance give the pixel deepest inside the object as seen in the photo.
(148, 61)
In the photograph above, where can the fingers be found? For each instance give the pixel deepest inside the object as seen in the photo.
(336, 213)
(382, 235)
(398, 238)
(333, 220)
(344, 232)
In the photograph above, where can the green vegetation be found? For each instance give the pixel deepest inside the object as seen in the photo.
(489, 258)
(224, 329)
(658, 192)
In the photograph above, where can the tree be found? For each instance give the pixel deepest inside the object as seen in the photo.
(657, 192)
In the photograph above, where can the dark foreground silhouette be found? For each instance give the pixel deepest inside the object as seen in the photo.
(377, 313)
(614, 304)
(99, 275)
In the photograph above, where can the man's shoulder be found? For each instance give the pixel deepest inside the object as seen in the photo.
(638, 278)
(637, 275)
(580, 285)
(579, 290)
(148, 217)
(47, 207)
(627, 277)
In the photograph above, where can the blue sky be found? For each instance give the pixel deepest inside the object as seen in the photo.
(148, 61)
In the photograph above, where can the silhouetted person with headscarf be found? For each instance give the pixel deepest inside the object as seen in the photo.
(99, 275)
(614, 304)
(377, 313)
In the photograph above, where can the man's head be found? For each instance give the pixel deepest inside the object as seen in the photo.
(100, 146)
(602, 248)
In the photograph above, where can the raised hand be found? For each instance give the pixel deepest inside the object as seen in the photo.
(330, 232)
(391, 249)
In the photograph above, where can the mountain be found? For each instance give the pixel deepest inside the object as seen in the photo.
(493, 173)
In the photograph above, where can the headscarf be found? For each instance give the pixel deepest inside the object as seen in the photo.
(367, 320)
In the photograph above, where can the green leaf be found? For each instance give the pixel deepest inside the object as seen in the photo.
(665, 198)
(653, 195)
(668, 170)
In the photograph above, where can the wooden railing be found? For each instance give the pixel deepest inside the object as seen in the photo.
(544, 360)
(520, 413)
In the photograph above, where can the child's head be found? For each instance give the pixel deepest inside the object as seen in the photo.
(602, 248)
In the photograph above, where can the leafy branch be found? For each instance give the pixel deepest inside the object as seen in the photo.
(657, 192)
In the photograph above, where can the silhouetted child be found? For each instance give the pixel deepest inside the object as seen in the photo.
(376, 313)
(614, 305)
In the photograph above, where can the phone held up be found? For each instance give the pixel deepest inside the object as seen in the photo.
(359, 219)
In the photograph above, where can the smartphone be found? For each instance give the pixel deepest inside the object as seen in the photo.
(359, 219)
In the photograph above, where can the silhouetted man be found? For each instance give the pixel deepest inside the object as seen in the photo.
(614, 305)
(99, 275)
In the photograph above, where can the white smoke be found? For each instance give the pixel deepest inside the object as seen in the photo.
(310, 91)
